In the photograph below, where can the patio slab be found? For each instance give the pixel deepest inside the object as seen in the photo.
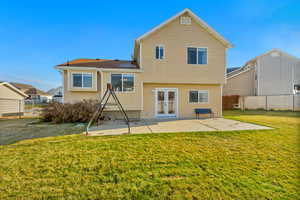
(173, 125)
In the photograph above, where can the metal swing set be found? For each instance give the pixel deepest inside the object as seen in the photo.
(103, 103)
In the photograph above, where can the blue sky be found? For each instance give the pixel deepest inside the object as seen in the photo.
(37, 35)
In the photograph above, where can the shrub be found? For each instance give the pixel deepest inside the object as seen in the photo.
(69, 112)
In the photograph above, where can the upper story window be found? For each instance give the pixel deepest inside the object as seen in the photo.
(122, 82)
(198, 96)
(159, 52)
(82, 80)
(185, 20)
(197, 55)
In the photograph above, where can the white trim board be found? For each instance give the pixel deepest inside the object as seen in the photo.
(176, 115)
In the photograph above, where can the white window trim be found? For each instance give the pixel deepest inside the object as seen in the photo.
(133, 91)
(160, 46)
(197, 47)
(176, 99)
(199, 91)
(82, 73)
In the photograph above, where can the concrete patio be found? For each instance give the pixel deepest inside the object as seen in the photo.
(173, 125)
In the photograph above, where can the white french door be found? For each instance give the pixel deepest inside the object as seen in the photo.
(166, 102)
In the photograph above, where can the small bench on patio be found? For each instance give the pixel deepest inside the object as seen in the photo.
(203, 111)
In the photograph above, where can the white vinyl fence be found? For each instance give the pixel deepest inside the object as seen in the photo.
(279, 102)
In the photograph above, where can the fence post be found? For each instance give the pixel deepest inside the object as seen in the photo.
(266, 106)
(293, 102)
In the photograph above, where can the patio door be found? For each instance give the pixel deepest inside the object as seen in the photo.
(166, 102)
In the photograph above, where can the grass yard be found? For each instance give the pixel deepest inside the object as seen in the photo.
(207, 165)
(14, 130)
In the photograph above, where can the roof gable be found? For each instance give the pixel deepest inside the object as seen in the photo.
(13, 88)
(197, 20)
(271, 51)
(248, 64)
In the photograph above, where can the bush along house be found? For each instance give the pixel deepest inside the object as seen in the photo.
(177, 67)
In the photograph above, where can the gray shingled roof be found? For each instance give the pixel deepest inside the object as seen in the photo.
(117, 64)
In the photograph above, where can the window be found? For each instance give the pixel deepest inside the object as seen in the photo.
(296, 88)
(185, 20)
(194, 97)
(82, 80)
(197, 55)
(199, 96)
(122, 82)
(159, 52)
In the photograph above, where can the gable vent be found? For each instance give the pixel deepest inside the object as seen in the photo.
(185, 20)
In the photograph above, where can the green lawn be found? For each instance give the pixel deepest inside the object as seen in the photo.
(207, 165)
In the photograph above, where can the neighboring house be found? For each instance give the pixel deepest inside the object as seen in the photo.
(11, 100)
(56, 91)
(232, 69)
(57, 94)
(177, 66)
(273, 73)
(37, 95)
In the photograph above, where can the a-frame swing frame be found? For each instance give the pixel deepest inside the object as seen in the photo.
(103, 102)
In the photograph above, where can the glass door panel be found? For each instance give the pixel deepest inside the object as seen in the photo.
(171, 102)
(166, 102)
(160, 102)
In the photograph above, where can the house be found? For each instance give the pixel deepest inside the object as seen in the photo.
(11, 100)
(37, 95)
(177, 66)
(57, 94)
(272, 73)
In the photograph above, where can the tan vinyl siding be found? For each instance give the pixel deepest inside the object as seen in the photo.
(130, 100)
(172, 71)
(72, 95)
(242, 84)
(174, 68)
(185, 108)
